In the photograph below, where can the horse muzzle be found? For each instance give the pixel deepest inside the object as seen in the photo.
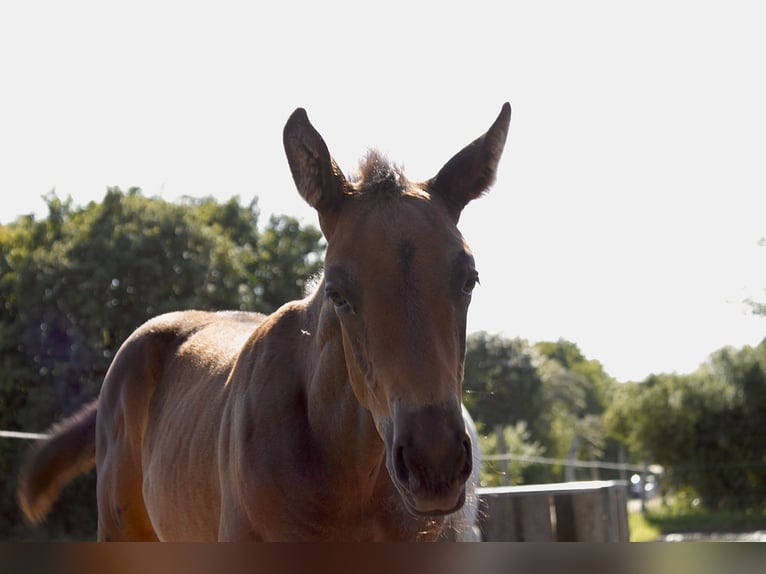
(429, 459)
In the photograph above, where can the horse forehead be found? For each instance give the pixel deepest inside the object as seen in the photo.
(395, 230)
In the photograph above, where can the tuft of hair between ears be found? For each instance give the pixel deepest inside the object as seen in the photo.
(377, 173)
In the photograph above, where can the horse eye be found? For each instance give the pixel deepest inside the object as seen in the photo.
(340, 302)
(470, 284)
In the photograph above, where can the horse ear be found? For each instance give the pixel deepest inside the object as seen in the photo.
(316, 175)
(472, 170)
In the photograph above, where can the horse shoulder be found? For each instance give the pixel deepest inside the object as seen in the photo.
(267, 451)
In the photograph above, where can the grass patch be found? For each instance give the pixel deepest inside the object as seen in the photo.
(660, 520)
(641, 530)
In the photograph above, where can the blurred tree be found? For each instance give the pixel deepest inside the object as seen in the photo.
(287, 258)
(502, 385)
(577, 390)
(758, 307)
(705, 428)
(512, 439)
(552, 388)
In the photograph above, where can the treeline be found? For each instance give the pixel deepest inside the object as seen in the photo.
(545, 399)
(706, 429)
(75, 284)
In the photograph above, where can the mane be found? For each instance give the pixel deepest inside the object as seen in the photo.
(378, 174)
(312, 283)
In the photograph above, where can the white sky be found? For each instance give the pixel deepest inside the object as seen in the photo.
(631, 197)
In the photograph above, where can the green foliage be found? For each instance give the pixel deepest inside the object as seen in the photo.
(579, 384)
(501, 384)
(705, 428)
(287, 258)
(641, 530)
(74, 285)
(556, 392)
(577, 391)
(512, 439)
(758, 307)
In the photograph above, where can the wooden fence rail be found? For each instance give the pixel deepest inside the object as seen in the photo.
(594, 511)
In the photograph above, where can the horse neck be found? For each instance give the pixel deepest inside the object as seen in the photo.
(340, 423)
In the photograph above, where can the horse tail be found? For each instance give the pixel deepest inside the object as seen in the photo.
(69, 450)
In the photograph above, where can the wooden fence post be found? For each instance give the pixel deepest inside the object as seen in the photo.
(592, 511)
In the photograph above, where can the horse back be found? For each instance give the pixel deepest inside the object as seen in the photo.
(157, 425)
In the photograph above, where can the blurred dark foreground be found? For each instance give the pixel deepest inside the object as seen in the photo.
(146, 558)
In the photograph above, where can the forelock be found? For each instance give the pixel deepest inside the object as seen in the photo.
(377, 173)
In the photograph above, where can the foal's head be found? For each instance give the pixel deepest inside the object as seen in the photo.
(399, 277)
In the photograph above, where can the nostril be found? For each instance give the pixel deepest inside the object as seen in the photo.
(406, 468)
(400, 466)
(468, 461)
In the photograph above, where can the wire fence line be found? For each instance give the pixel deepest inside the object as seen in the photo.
(23, 435)
(485, 458)
(606, 465)
(565, 462)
